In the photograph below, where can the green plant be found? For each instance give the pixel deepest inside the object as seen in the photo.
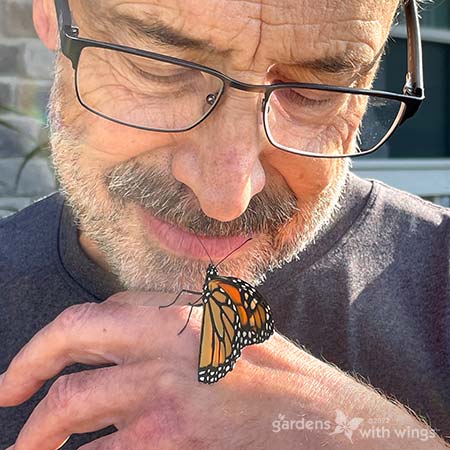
(40, 147)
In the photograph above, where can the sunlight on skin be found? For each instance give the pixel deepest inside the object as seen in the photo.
(225, 179)
(222, 167)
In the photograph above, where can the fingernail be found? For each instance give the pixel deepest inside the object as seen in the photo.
(1, 381)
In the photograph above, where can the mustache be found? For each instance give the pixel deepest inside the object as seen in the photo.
(172, 201)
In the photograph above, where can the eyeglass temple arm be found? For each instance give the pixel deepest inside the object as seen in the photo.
(67, 27)
(63, 13)
(414, 79)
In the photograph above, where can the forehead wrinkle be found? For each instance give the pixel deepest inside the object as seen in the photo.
(262, 32)
(317, 31)
(193, 19)
(365, 35)
(311, 41)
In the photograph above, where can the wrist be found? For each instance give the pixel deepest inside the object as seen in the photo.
(317, 405)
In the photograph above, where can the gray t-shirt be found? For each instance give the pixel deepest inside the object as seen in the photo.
(371, 295)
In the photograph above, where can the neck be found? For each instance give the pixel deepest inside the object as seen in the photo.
(92, 251)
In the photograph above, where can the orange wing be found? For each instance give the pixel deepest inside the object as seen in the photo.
(254, 312)
(235, 315)
(220, 338)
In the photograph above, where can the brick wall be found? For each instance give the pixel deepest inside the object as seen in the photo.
(25, 79)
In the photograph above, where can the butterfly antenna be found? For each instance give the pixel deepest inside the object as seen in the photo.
(235, 250)
(201, 243)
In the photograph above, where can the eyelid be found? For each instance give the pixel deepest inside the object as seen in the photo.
(166, 78)
(163, 78)
(287, 74)
(314, 95)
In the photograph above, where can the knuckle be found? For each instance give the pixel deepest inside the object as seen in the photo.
(167, 383)
(19, 359)
(62, 392)
(76, 315)
(162, 428)
(160, 423)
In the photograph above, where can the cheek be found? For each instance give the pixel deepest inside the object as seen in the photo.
(352, 121)
(120, 143)
(307, 177)
(104, 140)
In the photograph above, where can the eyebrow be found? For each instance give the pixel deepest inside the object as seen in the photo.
(341, 64)
(163, 34)
(158, 32)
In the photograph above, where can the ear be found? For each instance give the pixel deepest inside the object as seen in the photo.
(45, 23)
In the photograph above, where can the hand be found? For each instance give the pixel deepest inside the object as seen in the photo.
(152, 395)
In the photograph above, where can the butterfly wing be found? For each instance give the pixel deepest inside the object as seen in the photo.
(254, 311)
(220, 337)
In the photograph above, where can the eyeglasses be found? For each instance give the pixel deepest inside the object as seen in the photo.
(155, 92)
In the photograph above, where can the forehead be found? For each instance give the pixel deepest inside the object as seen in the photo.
(270, 30)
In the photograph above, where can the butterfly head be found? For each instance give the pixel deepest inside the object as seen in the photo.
(211, 272)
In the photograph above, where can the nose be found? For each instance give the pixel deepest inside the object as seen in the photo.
(220, 162)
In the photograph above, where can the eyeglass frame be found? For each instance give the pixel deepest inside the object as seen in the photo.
(413, 91)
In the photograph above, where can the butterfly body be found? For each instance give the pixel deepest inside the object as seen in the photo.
(235, 315)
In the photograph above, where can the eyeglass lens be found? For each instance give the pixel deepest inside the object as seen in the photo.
(164, 96)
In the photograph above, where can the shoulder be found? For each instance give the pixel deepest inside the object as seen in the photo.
(28, 238)
(397, 208)
(407, 202)
(407, 234)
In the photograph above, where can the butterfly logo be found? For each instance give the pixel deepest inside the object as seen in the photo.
(343, 425)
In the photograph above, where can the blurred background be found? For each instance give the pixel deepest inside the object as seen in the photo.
(25, 80)
(416, 159)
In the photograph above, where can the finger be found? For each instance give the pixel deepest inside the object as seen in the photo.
(117, 441)
(138, 298)
(82, 403)
(93, 333)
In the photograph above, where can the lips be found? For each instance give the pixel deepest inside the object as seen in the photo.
(187, 244)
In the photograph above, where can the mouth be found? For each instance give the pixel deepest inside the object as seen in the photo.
(187, 244)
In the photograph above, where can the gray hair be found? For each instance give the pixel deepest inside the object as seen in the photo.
(422, 4)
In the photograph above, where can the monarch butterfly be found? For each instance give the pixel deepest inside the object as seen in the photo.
(235, 315)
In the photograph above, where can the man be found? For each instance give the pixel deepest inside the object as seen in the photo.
(155, 154)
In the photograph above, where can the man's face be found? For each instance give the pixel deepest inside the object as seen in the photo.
(222, 178)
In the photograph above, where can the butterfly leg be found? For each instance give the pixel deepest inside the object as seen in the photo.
(193, 305)
(176, 298)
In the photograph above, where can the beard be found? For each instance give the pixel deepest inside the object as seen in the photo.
(105, 203)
